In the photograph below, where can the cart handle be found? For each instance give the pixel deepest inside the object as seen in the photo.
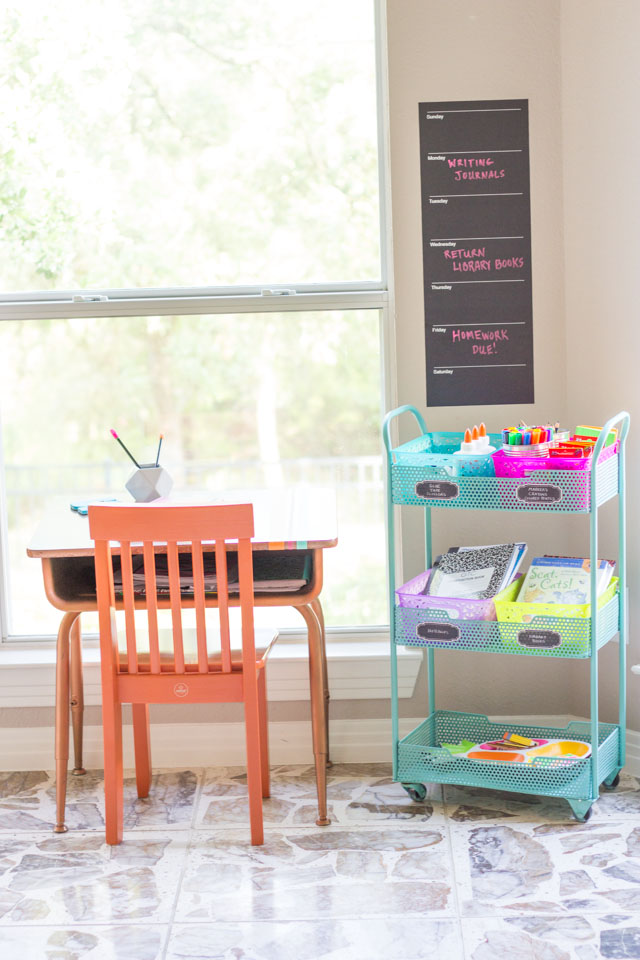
(622, 417)
(386, 427)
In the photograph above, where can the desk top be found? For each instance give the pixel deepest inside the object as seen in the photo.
(293, 518)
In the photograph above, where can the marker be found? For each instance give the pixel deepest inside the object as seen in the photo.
(116, 437)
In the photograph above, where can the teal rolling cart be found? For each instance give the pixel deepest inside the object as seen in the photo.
(421, 473)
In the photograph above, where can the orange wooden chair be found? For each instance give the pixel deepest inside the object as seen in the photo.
(196, 666)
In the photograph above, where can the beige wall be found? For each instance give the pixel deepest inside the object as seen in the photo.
(601, 151)
(481, 49)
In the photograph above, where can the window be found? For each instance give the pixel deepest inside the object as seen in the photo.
(192, 167)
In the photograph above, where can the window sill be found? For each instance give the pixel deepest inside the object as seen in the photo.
(358, 670)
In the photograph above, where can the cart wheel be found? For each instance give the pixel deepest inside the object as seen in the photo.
(614, 783)
(587, 816)
(417, 791)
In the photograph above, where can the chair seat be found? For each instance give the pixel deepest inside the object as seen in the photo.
(265, 637)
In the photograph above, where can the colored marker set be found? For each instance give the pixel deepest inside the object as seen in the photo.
(525, 441)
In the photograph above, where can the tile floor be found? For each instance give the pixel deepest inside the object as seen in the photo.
(465, 875)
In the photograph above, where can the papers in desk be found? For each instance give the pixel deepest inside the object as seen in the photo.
(273, 572)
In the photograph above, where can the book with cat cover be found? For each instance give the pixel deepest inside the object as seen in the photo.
(563, 580)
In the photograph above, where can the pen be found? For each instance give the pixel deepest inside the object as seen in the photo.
(159, 445)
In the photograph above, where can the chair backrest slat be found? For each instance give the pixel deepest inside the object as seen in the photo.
(223, 604)
(129, 606)
(152, 605)
(198, 600)
(176, 605)
(245, 576)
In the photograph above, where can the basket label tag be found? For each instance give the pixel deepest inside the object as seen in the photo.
(538, 493)
(437, 490)
(434, 630)
(540, 639)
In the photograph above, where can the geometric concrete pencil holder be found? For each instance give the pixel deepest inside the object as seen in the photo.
(149, 483)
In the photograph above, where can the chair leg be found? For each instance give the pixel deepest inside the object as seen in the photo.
(142, 747)
(254, 778)
(264, 733)
(113, 785)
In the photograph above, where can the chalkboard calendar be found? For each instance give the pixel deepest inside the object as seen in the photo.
(476, 226)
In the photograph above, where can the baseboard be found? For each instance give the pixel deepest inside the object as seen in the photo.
(207, 745)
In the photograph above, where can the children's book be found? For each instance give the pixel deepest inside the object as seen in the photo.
(474, 573)
(563, 580)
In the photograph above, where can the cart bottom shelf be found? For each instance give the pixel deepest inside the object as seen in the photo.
(422, 759)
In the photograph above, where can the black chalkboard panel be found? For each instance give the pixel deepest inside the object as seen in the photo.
(476, 229)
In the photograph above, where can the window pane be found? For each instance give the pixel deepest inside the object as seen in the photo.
(260, 400)
(162, 143)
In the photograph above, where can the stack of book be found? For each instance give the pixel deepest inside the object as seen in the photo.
(563, 580)
(474, 573)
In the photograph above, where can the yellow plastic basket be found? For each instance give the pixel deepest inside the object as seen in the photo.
(564, 629)
(514, 612)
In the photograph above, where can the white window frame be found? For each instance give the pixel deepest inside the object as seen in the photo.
(365, 295)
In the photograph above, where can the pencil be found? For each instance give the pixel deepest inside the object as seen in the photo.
(130, 455)
(159, 445)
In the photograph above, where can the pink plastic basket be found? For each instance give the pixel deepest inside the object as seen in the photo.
(410, 595)
(507, 466)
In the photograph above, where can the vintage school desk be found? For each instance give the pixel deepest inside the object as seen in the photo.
(290, 519)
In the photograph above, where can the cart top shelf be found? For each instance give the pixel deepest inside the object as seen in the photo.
(426, 471)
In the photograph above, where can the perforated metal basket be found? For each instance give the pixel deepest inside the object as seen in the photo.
(422, 758)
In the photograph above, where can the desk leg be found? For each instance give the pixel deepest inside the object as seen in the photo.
(62, 716)
(318, 725)
(317, 608)
(77, 697)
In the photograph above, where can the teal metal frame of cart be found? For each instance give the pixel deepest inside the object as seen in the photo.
(421, 473)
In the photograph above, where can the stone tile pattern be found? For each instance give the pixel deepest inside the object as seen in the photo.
(466, 874)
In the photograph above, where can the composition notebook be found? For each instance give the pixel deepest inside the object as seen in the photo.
(474, 573)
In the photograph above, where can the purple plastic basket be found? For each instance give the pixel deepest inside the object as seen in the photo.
(507, 466)
(410, 595)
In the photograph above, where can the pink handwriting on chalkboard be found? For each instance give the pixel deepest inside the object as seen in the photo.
(510, 262)
(465, 253)
(482, 342)
(457, 334)
(474, 168)
(472, 260)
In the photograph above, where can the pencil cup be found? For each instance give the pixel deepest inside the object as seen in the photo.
(149, 483)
